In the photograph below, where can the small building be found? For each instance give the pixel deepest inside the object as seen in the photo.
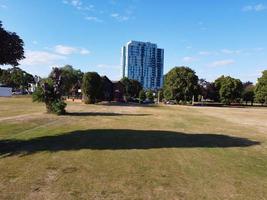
(5, 91)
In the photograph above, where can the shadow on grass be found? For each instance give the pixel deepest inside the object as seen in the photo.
(120, 139)
(84, 114)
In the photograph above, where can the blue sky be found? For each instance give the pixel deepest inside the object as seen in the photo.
(212, 37)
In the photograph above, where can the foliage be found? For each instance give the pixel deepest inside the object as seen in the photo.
(38, 95)
(248, 92)
(16, 78)
(149, 95)
(181, 83)
(11, 47)
(261, 88)
(70, 77)
(131, 87)
(50, 92)
(136, 88)
(91, 87)
(142, 96)
(160, 95)
(230, 89)
(58, 107)
(208, 90)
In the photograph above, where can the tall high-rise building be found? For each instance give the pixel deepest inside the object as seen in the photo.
(144, 62)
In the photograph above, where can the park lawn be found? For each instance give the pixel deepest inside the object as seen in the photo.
(132, 152)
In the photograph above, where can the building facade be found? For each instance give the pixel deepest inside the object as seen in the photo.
(144, 62)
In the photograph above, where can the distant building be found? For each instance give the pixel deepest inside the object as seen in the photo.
(144, 62)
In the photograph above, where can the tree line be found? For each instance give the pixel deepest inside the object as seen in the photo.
(183, 85)
(16, 78)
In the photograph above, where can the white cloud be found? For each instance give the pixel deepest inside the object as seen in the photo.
(256, 8)
(189, 59)
(75, 3)
(68, 50)
(205, 53)
(84, 51)
(229, 51)
(94, 19)
(119, 17)
(40, 58)
(65, 50)
(221, 63)
(79, 5)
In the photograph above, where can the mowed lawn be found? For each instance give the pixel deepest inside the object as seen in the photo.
(132, 152)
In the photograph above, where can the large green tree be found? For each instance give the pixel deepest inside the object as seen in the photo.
(11, 47)
(261, 88)
(131, 87)
(70, 77)
(230, 89)
(91, 87)
(181, 83)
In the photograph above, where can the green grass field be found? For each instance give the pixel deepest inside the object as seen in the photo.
(132, 152)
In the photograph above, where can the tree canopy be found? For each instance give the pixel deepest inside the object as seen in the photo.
(181, 83)
(261, 88)
(16, 78)
(131, 87)
(248, 93)
(70, 77)
(230, 89)
(208, 90)
(142, 96)
(11, 47)
(91, 87)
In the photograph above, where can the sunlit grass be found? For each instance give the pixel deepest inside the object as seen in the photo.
(131, 152)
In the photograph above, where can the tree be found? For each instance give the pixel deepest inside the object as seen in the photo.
(142, 96)
(261, 88)
(230, 89)
(91, 87)
(208, 90)
(11, 47)
(136, 88)
(70, 77)
(181, 83)
(150, 96)
(248, 92)
(50, 92)
(16, 78)
(127, 87)
(131, 87)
